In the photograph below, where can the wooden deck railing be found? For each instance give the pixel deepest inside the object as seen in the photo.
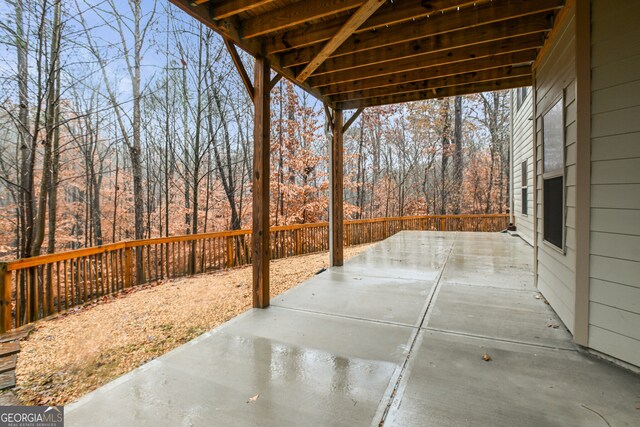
(35, 288)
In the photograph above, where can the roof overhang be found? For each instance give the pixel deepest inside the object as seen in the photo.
(360, 53)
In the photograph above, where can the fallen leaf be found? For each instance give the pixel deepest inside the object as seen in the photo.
(254, 398)
(486, 358)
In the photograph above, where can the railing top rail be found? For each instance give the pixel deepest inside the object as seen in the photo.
(80, 253)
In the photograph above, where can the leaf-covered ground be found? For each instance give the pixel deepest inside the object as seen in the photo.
(67, 357)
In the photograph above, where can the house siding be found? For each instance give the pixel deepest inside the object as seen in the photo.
(555, 76)
(522, 140)
(614, 291)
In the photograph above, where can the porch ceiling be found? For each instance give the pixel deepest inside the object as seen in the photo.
(360, 53)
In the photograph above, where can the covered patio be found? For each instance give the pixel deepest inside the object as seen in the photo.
(425, 328)
(397, 336)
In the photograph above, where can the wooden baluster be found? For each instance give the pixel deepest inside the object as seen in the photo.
(5, 298)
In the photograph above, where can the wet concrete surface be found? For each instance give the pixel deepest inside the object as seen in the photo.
(415, 314)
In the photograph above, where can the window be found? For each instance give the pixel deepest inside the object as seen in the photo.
(521, 95)
(553, 175)
(525, 188)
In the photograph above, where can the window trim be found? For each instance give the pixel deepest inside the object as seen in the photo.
(524, 178)
(560, 172)
(521, 96)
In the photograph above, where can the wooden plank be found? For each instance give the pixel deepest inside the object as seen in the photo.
(9, 399)
(364, 12)
(16, 334)
(482, 53)
(455, 40)
(8, 363)
(240, 67)
(389, 14)
(261, 148)
(294, 14)
(449, 81)
(225, 8)
(336, 213)
(463, 19)
(449, 74)
(439, 93)
(7, 380)
(9, 348)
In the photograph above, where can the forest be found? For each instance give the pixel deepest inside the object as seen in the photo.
(127, 120)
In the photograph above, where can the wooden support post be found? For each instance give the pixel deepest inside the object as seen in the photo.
(336, 214)
(261, 146)
(5, 298)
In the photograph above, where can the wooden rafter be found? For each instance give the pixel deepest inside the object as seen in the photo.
(454, 40)
(295, 14)
(364, 12)
(240, 67)
(225, 8)
(470, 53)
(389, 14)
(355, 53)
(459, 21)
(439, 93)
(435, 83)
(449, 72)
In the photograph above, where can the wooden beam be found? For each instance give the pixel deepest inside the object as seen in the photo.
(240, 67)
(336, 193)
(439, 93)
(450, 72)
(563, 15)
(225, 8)
(295, 14)
(261, 249)
(435, 83)
(462, 19)
(467, 53)
(364, 12)
(389, 14)
(536, 24)
(352, 119)
(275, 80)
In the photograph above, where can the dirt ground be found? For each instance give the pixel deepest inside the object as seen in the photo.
(67, 357)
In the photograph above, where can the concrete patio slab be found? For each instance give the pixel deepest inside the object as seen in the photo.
(302, 366)
(398, 301)
(395, 337)
(502, 314)
(451, 385)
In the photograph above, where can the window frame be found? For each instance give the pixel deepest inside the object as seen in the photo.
(558, 173)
